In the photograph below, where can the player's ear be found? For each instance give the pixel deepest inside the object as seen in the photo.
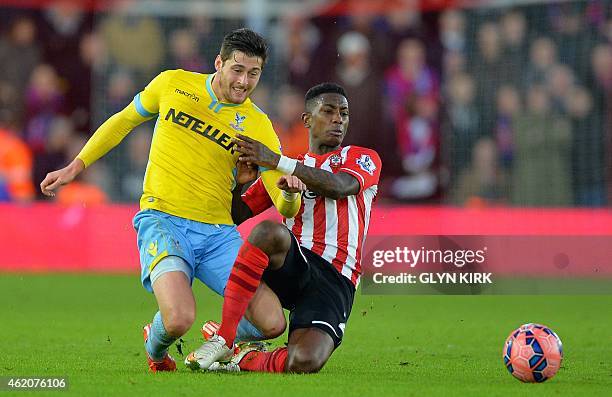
(306, 119)
(218, 63)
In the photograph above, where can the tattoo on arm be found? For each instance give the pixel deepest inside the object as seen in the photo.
(327, 184)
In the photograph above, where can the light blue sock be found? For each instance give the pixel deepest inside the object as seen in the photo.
(247, 332)
(159, 340)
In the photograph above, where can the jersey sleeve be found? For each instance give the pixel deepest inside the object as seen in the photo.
(144, 107)
(287, 208)
(257, 198)
(147, 101)
(268, 136)
(110, 134)
(364, 164)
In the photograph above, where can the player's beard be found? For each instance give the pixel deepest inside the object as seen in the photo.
(238, 97)
(230, 94)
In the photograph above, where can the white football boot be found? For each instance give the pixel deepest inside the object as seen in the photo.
(240, 351)
(213, 350)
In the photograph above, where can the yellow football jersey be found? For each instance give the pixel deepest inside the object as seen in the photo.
(192, 165)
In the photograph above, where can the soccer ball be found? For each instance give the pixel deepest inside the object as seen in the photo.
(533, 353)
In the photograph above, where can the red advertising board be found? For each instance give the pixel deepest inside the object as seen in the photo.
(47, 237)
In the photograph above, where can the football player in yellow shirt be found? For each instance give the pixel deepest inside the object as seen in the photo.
(185, 228)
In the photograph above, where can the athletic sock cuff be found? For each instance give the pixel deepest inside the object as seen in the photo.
(252, 255)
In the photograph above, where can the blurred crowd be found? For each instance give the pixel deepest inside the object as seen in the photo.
(487, 106)
(528, 105)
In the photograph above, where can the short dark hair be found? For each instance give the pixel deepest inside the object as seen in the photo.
(320, 89)
(244, 40)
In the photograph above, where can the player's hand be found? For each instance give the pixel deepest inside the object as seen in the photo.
(255, 152)
(58, 178)
(246, 172)
(291, 184)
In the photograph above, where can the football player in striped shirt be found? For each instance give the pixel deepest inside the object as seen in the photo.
(185, 228)
(312, 261)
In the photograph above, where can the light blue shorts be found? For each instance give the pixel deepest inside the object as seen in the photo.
(209, 250)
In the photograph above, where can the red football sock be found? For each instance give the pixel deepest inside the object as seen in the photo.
(241, 286)
(273, 361)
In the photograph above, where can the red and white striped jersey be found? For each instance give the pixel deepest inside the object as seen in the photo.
(334, 229)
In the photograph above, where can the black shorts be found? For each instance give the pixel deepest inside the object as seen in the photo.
(314, 292)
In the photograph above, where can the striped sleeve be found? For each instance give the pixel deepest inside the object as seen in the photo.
(257, 198)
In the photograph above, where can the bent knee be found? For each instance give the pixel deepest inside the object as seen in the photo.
(271, 237)
(273, 327)
(178, 322)
(303, 362)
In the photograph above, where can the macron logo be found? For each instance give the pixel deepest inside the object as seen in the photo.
(187, 94)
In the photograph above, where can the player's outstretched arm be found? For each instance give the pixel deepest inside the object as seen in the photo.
(58, 178)
(327, 184)
(144, 107)
(109, 135)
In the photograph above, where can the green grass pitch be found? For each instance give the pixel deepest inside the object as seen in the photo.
(88, 328)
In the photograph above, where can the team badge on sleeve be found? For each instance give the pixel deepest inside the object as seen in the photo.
(365, 163)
